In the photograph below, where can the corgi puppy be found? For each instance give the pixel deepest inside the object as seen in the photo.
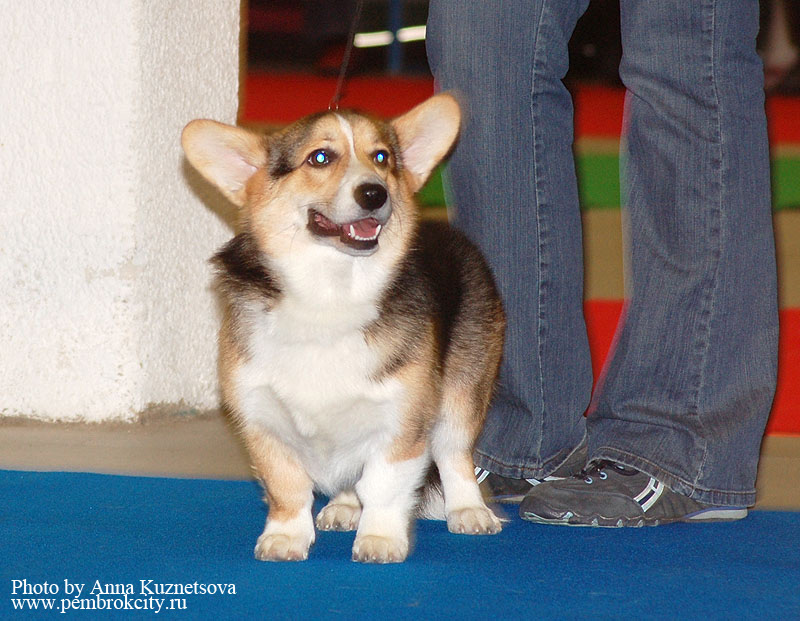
(359, 346)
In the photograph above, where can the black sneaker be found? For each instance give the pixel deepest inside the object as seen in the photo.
(511, 491)
(612, 495)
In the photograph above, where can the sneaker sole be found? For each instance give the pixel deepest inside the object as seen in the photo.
(716, 514)
(593, 522)
(712, 514)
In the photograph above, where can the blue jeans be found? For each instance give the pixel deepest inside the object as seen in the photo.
(687, 390)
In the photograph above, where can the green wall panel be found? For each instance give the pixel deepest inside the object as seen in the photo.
(598, 179)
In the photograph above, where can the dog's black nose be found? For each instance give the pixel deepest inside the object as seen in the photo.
(370, 196)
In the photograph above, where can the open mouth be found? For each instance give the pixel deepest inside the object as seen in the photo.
(359, 235)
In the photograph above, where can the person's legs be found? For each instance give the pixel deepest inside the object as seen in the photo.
(687, 392)
(512, 181)
(689, 389)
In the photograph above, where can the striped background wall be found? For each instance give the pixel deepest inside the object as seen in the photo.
(273, 99)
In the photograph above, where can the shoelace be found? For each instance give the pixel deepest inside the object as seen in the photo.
(646, 498)
(598, 469)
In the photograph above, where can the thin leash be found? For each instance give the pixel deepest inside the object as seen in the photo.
(337, 96)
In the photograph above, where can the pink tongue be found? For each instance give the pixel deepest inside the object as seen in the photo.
(364, 228)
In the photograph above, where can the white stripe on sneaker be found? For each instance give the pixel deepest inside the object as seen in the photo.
(650, 494)
(535, 482)
(481, 474)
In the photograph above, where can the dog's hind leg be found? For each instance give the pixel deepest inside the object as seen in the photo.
(341, 513)
(453, 438)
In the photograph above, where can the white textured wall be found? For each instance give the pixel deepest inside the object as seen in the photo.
(104, 301)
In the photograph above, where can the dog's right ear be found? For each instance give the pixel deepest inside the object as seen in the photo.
(225, 155)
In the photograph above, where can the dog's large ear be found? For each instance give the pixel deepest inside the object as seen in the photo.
(225, 155)
(426, 134)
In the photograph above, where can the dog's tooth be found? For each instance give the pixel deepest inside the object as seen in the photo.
(353, 232)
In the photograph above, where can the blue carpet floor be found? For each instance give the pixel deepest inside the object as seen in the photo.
(69, 529)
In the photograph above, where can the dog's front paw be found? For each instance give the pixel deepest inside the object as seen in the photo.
(473, 521)
(379, 549)
(336, 516)
(280, 547)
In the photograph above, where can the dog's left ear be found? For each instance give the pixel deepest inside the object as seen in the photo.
(225, 155)
(426, 133)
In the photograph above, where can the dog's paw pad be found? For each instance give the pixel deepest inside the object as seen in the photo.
(473, 521)
(339, 517)
(277, 547)
(377, 549)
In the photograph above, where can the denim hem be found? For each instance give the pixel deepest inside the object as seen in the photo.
(726, 498)
(526, 471)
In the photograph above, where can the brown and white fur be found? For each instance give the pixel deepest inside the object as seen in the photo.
(358, 345)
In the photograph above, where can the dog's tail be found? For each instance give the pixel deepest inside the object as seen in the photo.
(431, 498)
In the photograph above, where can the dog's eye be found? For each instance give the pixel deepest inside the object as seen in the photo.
(381, 157)
(320, 157)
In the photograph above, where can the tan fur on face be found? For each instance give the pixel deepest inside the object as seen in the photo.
(249, 168)
(277, 208)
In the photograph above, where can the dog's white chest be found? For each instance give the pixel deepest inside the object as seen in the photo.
(316, 379)
(317, 394)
